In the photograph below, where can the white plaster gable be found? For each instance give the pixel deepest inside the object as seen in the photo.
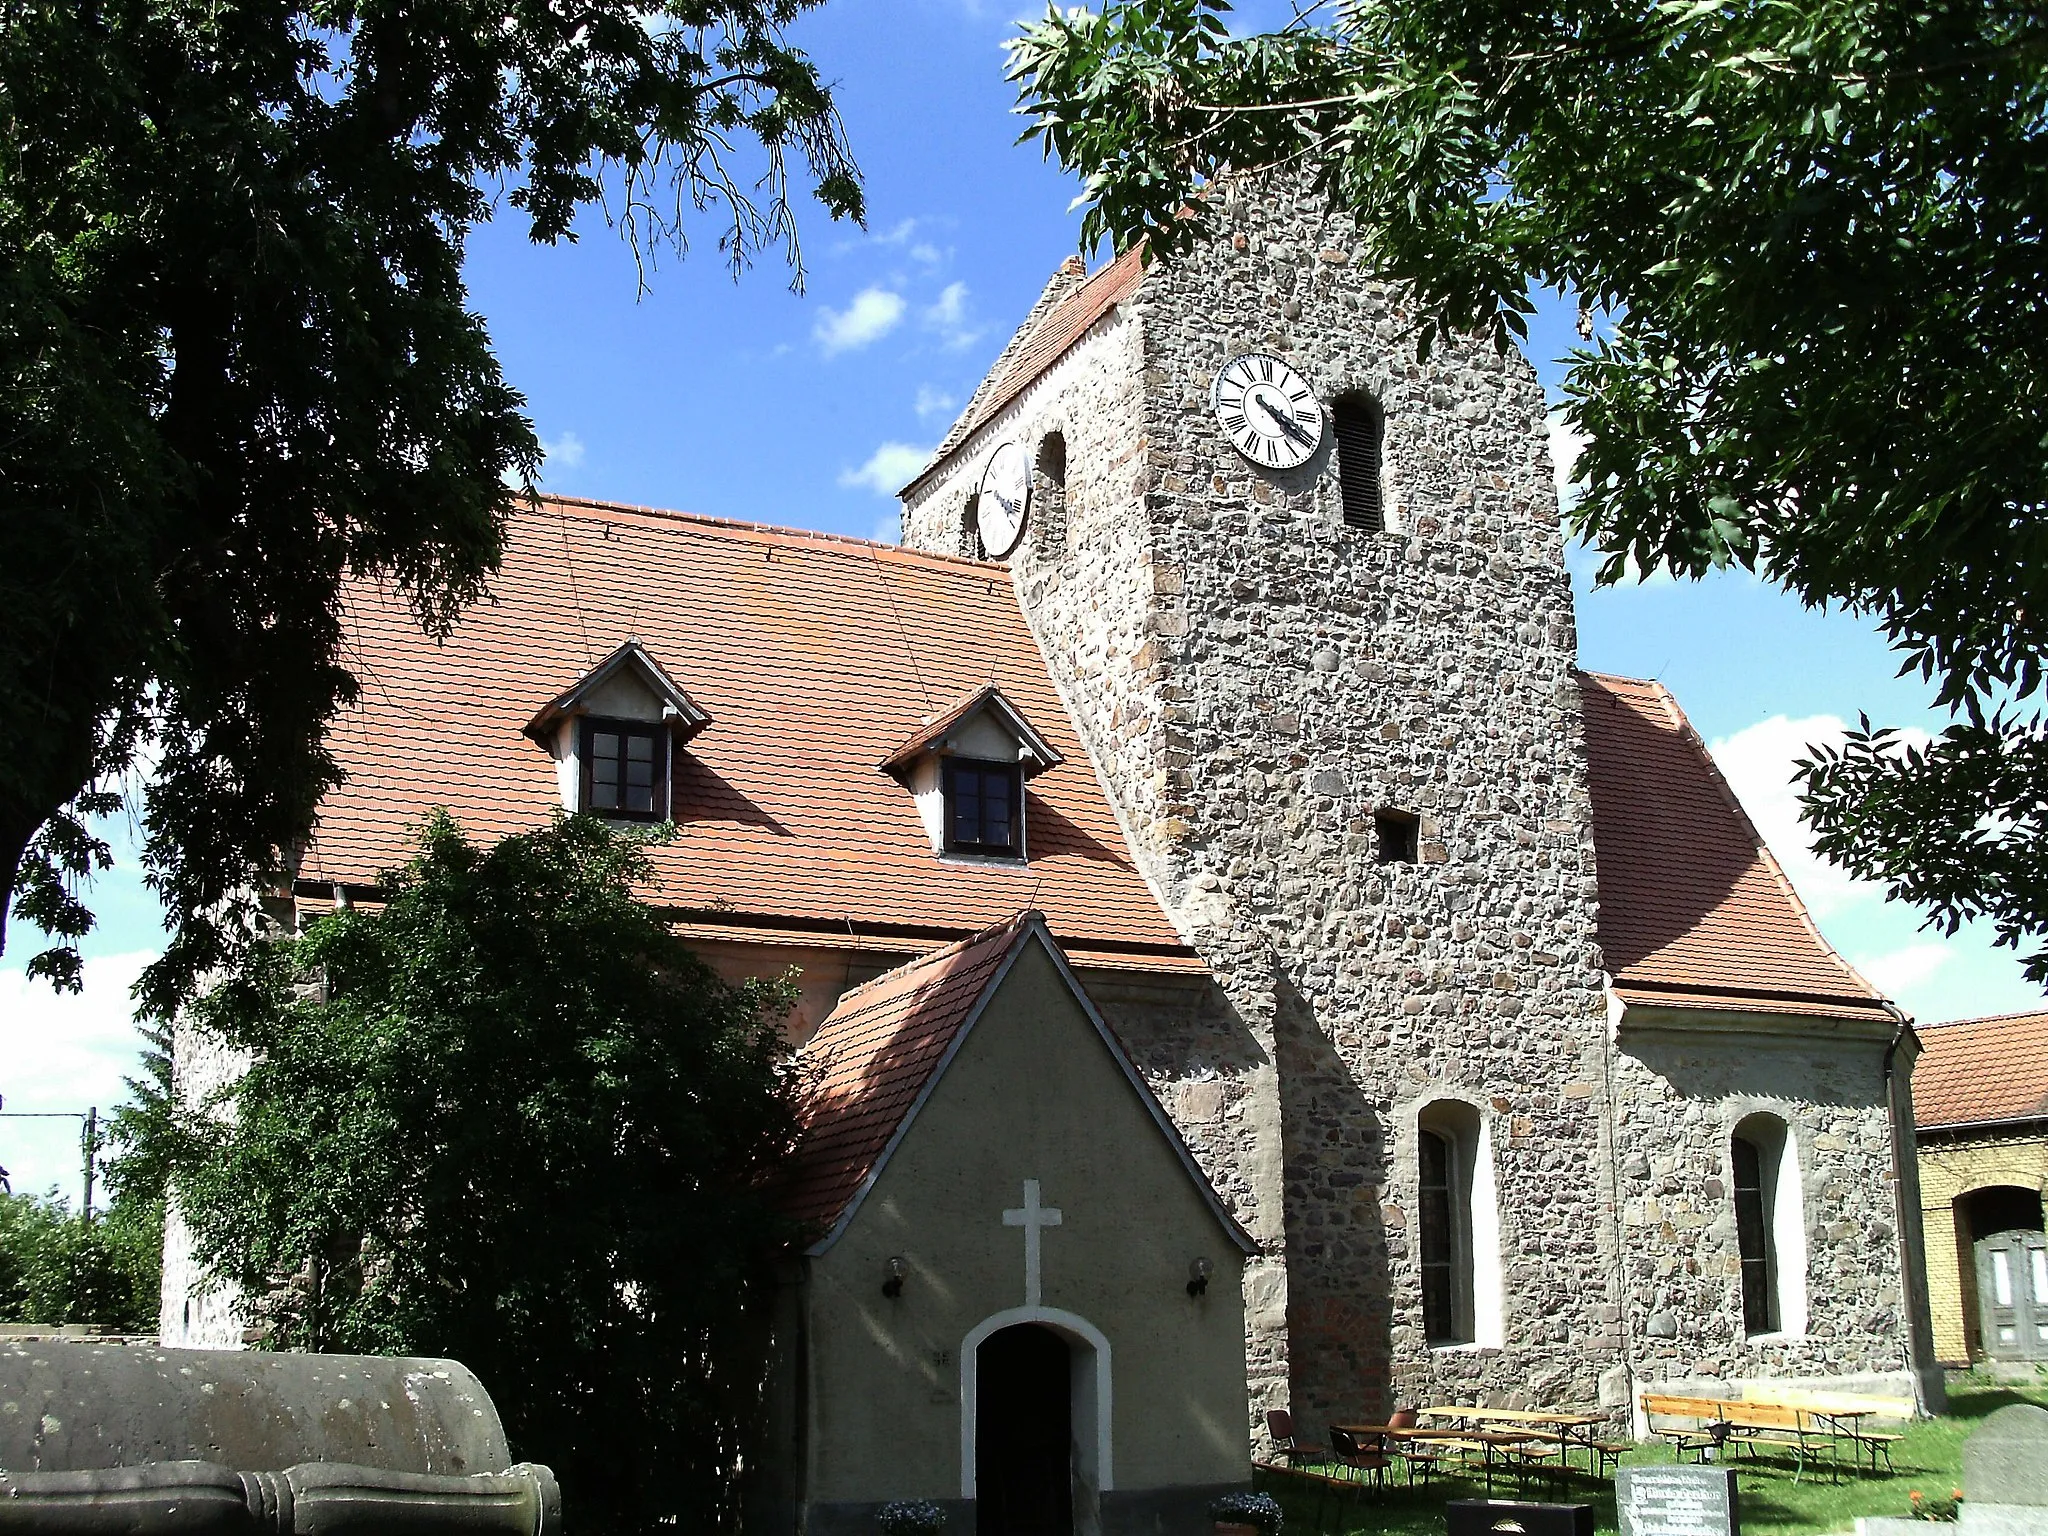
(624, 696)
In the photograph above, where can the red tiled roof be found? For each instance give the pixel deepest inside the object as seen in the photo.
(814, 657)
(883, 1047)
(1982, 1070)
(875, 1054)
(1042, 344)
(1694, 911)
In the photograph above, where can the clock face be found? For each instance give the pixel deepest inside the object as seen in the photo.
(1268, 411)
(1005, 500)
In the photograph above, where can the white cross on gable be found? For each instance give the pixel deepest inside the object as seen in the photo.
(1033, 1218)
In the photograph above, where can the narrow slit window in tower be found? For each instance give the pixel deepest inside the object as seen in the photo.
(1051, 493)
(1397, 833)
(1360, 428)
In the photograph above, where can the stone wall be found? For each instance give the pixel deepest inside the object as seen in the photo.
(197, 1309)
(1257, 678)
(1682, 1084)
(1951, 1167)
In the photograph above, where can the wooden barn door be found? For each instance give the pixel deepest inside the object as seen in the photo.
(2012, 1294)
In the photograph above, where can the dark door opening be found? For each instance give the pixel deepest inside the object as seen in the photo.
(2011, 1271)
(1023, 1434)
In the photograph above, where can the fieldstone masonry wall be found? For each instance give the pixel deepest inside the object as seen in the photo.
(1680, 1090)
(1254, 679)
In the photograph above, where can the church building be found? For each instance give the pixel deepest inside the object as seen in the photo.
(1249, 963)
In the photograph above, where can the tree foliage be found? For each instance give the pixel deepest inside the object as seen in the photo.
(1814, 231)
(237, 367)
(509, 1118)
(57, 1267)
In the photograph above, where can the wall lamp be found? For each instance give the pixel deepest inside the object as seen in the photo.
(892, 1287)
(1198, 1277)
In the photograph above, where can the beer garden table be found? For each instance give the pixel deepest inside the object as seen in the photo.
(1565, 1429)
(1487, 1439)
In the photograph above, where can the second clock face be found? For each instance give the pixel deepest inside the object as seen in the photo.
(1005, 500)
(1268, 411)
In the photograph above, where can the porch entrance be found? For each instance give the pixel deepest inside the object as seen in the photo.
(1024, 1433)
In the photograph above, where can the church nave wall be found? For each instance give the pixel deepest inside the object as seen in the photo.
(1681, 1095)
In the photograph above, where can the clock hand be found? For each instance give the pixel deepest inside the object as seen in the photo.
(1286, 423)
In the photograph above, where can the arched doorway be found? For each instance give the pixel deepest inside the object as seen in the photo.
(2008, 1263)
(1024, 1433)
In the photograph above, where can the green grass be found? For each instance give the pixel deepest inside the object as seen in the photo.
(1929, 1459)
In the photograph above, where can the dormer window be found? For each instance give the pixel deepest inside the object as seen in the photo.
(966, 771)
(983, 801)
(614, 735)
(625, 769)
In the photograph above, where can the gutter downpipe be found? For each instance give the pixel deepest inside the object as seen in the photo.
(1930, 1392)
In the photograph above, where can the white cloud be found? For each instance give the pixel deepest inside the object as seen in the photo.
(1566, 443)
(927, 253)
(62, 1052)
(1757, 761)
(873, 314)
(888, 469)
(934, 402)
(1902, 972)
(564, 452)
(948, 316)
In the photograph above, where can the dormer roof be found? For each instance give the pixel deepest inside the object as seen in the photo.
(683, 715)
(1034, 753)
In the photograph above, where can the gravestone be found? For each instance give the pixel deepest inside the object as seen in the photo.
(1677, 1501)
(2005, 1474)
(107, 1440)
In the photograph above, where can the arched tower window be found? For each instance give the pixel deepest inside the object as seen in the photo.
(1770, 1233)
(1051, 493)
(971, 547)
(1457, 1226)
(1360, 428)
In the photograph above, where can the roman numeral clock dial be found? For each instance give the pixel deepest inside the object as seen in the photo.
(1268, 411)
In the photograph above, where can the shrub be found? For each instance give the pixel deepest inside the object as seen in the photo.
(912, 1517)
(1257, 1509)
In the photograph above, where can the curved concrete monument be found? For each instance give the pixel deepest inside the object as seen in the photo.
(98, 1439)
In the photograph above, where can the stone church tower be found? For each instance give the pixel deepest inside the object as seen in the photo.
(1335, 707)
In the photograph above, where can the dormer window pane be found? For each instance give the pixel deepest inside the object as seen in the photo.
(981, 806)
(623, 770)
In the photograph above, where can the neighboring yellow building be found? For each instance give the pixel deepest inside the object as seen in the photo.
(1980, 1108)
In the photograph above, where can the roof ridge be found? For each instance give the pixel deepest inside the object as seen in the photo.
(957, 947)
(998, 389)
(781, 533)
(1058, 288)
(1617, 677)
(1985, 1018)
(1763, 849)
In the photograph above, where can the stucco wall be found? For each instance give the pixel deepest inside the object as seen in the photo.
(1949, 1170)
(1032, 1094)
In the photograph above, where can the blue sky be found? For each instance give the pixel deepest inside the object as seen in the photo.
(745, 400)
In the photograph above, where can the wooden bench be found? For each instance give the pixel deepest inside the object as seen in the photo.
(1725, 1420)
(1845, 1413)
(1704, 1429)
